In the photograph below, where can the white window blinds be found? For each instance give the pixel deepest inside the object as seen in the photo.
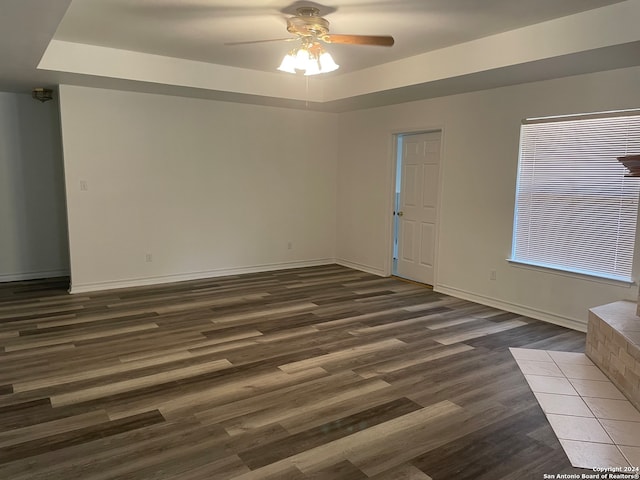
(575, 209)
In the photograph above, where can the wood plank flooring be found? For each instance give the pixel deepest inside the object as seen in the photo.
(315, 373)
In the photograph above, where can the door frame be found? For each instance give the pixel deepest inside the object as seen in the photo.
(391, 193)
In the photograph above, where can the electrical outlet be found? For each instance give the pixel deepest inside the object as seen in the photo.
(289, 245)
(148, 257)
(492, 274)
(83, 186)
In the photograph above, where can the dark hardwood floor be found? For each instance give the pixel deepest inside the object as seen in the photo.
(316, 373)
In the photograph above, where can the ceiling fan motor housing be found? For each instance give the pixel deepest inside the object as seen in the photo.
(308, 23)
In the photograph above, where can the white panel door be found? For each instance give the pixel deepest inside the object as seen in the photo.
(418, 206)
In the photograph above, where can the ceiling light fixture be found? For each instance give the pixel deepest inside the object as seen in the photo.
(310, 58)
(42, 94)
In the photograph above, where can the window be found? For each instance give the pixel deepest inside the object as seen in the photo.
(575, 209)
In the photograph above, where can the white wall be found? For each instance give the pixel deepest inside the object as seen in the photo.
(212, 188)
(480, 154)
(207, 188)
(33, 237)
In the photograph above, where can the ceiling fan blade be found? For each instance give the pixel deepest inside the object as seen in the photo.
(287, 39)
(377, 40)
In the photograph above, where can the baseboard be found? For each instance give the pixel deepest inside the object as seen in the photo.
(549, 317)
(16, 277)
(141, 282)
(361, 267)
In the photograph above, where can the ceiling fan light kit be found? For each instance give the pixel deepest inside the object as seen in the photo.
(311, 58)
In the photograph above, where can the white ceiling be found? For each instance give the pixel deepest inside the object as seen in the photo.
(147, 36)
(198, 29)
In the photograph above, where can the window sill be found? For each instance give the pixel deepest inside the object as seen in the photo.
(617, 281)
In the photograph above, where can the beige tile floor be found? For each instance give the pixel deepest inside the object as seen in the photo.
(596, 425)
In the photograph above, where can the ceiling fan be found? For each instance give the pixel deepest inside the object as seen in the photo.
(311, 29)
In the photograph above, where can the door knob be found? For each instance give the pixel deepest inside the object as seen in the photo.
(400, 214)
